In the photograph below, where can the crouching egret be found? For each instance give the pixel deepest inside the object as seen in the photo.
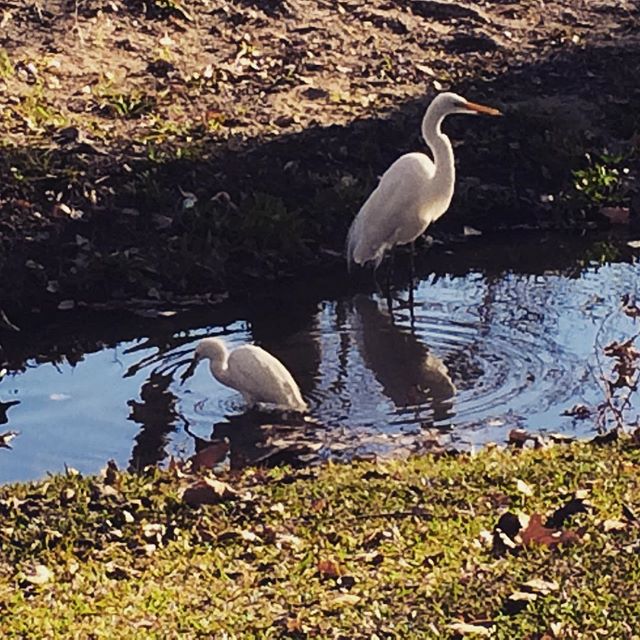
(254, 372)
(413, 192)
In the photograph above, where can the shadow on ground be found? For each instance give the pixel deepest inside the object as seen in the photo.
(225, 216)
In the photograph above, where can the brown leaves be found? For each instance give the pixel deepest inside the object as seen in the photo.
(625, 368)
(616, 215)
(514, 532)
(329, 569)
(208, 491)
(210, 456)
(537, 533)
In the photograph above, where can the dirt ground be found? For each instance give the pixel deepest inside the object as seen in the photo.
(161, 152)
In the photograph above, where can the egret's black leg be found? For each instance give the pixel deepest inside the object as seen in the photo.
(411, 305)
(390, 270)
(412, 275)
(412, 264)
(376, 284)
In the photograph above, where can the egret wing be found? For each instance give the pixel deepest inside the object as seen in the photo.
(391, 214)
(263, 378)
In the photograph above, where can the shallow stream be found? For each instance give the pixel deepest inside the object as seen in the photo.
(508, 334)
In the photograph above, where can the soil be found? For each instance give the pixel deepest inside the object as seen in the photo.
(163, 152)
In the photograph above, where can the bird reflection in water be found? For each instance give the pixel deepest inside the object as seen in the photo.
(410, 375)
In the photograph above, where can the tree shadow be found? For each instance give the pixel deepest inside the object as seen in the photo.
(222, 216)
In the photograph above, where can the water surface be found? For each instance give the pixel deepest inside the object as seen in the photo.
(488, 349)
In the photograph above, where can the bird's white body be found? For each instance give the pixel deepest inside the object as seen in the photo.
(254, 372)
(413, 192)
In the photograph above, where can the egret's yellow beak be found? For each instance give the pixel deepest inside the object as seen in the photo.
(480, 108)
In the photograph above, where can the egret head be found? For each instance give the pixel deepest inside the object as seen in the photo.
(447, 103)
(212, 349)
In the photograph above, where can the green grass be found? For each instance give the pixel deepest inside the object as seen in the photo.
(6, 66)
(392, 550)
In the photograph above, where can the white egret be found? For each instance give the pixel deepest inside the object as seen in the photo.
(413, 192)
(254, 372)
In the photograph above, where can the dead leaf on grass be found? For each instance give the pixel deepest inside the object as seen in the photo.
(513, 532)
(210, 456)
(529, 592)
(466, 629)
(518, 438)
(518, 601)
(111, 474)
(611, 526)
(37, 574)
(208, 491)
(537, 533)
(543, 587)
(345, 600)
(524, 488)
(329, 569)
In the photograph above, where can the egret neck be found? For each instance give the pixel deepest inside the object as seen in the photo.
(441, 188)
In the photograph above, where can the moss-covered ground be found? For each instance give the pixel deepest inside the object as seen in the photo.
(394, 549)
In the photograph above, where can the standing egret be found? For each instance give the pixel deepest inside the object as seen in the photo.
(413, 192)
(254, 372)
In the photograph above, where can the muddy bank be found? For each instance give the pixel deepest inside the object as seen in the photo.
(168, 153)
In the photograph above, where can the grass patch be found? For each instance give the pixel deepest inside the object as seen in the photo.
(387, 550)
(6, 66)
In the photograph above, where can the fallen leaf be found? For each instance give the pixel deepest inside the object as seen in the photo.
(249, 536)
(208, 491)
(614, 525)
(210, 456)
(329, 569)
(543, 587)
(111, 474)
(38, 574)
(537, 533)
(518, 438)
(616, 215)
(465, 629)
(152, 530)
(524, 488)
(518, 601)
(293, 625)
(345, 600)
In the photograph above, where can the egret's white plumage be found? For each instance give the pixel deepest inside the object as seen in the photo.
(413, 192)
(254, 372)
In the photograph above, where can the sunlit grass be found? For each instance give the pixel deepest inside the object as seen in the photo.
(392, 549)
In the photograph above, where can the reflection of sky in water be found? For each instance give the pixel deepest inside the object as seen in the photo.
(485, 355)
